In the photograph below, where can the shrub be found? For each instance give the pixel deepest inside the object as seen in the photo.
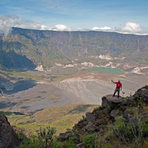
(57, 144)
(69, 144)
(2, 113)
(140, 103)
(129, 132)
(89, 141)
(30, 143)
(108, 145)
(21, 136)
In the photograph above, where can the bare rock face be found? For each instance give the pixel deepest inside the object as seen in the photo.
(8, 138)
(111, 102)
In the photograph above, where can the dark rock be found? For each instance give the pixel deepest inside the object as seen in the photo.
(65, 136)
(90, 117)
(145, 99)
(110, 102)
(125, 103)
(107, 139)
(129, 116)
(96, 111)
(142, 94)
(91, 128)
(114, 113)
(8, 138)
(69, 134)
(81, 124)
(106, 111)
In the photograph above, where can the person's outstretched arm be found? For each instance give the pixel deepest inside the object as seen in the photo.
(112, 81)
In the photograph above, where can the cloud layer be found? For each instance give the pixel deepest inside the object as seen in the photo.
(7, 22)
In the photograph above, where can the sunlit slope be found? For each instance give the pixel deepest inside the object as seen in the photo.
(61, 117)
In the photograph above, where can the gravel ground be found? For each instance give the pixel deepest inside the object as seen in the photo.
(68, 91)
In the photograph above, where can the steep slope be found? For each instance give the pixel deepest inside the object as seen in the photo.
(50, 47)
(119, 122)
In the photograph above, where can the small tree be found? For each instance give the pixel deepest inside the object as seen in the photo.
(45, 135)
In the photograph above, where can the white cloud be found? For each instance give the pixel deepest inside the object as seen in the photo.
(106, 28)
(8, 21)
(60, 27)
(132, 27)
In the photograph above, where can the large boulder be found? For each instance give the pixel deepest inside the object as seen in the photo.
(8, 138)
(111, 102)
(142, 94)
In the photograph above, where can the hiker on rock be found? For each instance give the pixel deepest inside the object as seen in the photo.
(118, 88)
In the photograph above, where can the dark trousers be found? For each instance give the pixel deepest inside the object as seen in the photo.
(117, 90)
(1, 92)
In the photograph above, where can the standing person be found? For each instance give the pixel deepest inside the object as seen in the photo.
(118, 88)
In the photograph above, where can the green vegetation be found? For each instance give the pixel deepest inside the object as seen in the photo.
(120, 134)
(43, 139)
(25, 75)
(144, 70)
(2, 113)
(25, 48)
(131, 132)
(89, 141)
(45, 136)
(61, 117)
(105, 69)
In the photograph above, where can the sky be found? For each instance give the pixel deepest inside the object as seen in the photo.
(129, 16)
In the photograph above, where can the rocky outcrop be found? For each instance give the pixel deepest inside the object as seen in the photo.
(8, 138)
(110, 101)
(142, 94)
(108, 112)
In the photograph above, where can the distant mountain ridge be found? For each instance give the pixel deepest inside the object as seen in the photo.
(50, 47)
